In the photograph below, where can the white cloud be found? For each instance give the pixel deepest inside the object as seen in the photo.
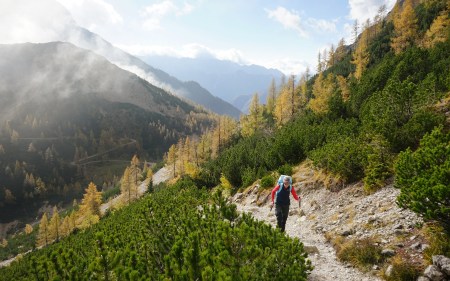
(287, 65)
(362, 10)
(193, 50)
(322, 25)
(92, 13)
(153, 14)
(289, 19)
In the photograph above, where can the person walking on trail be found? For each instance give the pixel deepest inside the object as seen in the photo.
(281, 194)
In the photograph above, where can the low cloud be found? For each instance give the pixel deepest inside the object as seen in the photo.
(193, 50)
(153, 14)
(288, 66)
(289, 19)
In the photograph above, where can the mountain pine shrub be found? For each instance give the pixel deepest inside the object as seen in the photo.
(424, 177)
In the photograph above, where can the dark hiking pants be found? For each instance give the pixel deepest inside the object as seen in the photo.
(282, 213)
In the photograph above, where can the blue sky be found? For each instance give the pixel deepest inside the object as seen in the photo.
(282, 34)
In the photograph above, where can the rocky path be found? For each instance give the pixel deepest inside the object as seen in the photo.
(321, 253)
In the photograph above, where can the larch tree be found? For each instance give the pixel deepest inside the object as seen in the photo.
(90, 204)
(172, 158)
(405, 28)
(355, 31)
(340, 52)
(323, 89)
(180, 156)
(65, 227)
(126, 184)
(344, 87)
(361, 55)
(303, 86)
(271, 97)
(438, 31)
(28, 229)
(54, 225)
(331, 56)
(134, 174)
(43, 234)
(253, 122)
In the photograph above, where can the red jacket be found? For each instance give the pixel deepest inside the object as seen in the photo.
(278, 187)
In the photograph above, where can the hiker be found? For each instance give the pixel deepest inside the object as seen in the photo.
(282, 201)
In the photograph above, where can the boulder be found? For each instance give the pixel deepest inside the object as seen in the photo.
(433, 273)
(443, 263)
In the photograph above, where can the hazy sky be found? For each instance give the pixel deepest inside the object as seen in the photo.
(282, 34)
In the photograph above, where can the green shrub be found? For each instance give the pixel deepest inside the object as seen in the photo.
(248, 177)
(379, 164)
(345, 157)
(267, 181)
(424, 178)
(286, 169)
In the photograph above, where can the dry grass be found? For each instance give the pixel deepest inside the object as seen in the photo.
(330, 181)
(360, 253)
(401, 270)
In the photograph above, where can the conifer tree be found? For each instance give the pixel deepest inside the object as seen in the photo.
(126, 184)
(339, 54)
(271, 97)
(405, 25)
(253, 122)
(361, 55)
(28, 229)
(54, 225)
(323, 89)
(172, 158)
(134, 174)
(43, 237)
(92, 199)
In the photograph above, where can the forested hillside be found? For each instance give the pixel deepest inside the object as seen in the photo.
(69, 117)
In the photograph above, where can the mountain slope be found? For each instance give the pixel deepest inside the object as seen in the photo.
(225, 79)
(66, 112)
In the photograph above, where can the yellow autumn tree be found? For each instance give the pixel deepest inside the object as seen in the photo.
(65, 227)
(54, 225)
(90, 206)
(271, 98)
(172, 158)
(323, 89)
(405, 28)
(28, 229)
(253, 122)
(126, 185)
(438, 31)
(43, 238)
(135, 171)
(361, 55)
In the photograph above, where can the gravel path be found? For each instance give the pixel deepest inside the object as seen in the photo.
(322, 254)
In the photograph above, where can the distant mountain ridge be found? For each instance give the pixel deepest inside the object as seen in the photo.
(227, 80)
(187, 90)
